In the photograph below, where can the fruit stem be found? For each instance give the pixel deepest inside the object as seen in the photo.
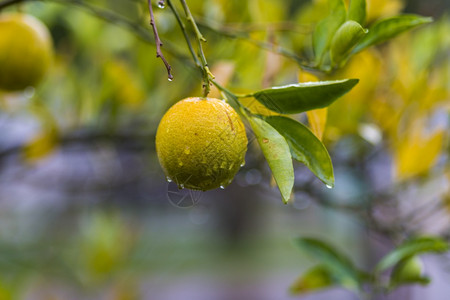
(207, 75)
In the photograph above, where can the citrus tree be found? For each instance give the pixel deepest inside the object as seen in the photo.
(201, 141)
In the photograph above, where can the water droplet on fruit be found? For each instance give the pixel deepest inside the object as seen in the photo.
(181, 186)
(168, 179)
(161, 4)
(222, 186)
(242, 164)
(329, 186)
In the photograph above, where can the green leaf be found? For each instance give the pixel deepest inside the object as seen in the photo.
(347, 36)
(357, 11)
(410, 248)
(305, 147)
(338, 264)
(386, 29)
(408, 271)
(316, 278)
(326, 28)
(300, 97)
(277, 154)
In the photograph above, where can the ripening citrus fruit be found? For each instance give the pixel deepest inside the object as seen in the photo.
(25, 51)
(201, 143)
(408, 270)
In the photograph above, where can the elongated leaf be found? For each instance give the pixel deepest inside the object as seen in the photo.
(388, 28)
(305, 147)
(300, 97)
(276, 151)
(410, 248)
(347, 36)
(357, 11)
(326, 28)
(339, 264)
(316, 278)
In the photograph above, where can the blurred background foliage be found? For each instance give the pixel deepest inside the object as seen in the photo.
(85, 212)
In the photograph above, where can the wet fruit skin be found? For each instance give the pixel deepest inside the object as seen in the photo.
(25, 51)
(201, 143)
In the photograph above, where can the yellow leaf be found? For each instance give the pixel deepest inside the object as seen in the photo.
(46, 141)
(40, 146)
(416, 154)
(317, 121)
(121, 84)
(317, 118)
(377, 9)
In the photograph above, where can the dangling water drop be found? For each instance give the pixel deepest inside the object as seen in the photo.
(222, 186)
(328, 186)
(181, 186)
(242, 164)
(170, 79)
(168, 179)
(161, 4)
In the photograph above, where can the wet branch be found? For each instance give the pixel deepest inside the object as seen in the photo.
(158, 39)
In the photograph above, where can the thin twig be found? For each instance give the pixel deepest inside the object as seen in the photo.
(158, 41)
(207, 75)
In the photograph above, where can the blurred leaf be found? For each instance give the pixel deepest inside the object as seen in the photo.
(47, 140)
(357, 11)
(386, 29)
(317, 120)
(408, 271)
(276, 151)
(412, 247)
(40, 146)
(377, 9)
(416, 154)
(305, 147)
(316, 278)
(338, 264)
(121, 85)
(326, 28)
(347, 36)
(300, 97)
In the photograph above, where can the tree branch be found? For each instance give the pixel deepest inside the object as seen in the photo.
(158, 40)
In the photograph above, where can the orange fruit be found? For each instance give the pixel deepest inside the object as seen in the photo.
(201, 143)
(25, 51)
